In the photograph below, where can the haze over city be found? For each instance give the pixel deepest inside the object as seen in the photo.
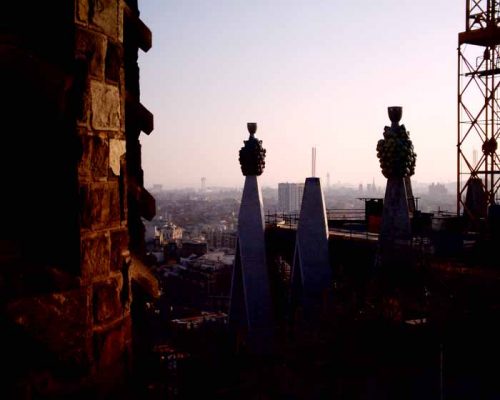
(174, 258)
(310, 73)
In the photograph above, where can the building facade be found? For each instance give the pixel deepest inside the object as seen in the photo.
(290, 196)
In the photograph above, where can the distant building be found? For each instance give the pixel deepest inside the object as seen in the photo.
(167, 233)
(221, 238)
(157, 188)
(290, 196)
(437, 189)
(195, 247)
(200, 283)
(371, 188)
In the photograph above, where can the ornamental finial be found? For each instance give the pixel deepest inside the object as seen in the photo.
(252, 154)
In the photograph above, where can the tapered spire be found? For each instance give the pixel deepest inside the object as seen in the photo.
(250, 313)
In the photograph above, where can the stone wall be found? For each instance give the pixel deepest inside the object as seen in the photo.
(66, 291)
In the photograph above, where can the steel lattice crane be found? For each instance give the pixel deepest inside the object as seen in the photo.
(479, 106)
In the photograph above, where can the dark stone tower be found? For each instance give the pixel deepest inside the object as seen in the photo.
(71, 236)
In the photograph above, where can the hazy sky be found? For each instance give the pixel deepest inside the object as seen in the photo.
(310, 73)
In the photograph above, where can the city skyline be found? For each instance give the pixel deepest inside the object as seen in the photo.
(155, 187)
(311, 74)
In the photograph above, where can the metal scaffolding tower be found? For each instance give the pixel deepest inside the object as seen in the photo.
(478, 102)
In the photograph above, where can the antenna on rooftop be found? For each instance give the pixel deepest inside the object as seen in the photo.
(313, 162)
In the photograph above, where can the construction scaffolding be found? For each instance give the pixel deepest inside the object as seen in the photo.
(478, 105)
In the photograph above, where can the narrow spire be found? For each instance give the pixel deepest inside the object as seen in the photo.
(250, 313)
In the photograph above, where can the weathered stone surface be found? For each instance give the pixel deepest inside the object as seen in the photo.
(121, 133)
(74, 325)
(82, 106)
(94, 162)
(86, 154)
(123, 186)
(95, 206)
(104, 16)
(100, 205)
(105, 106)
(119, 243)
(106, 302)
(92, 46)
(114, 203)
(120, 21)
(61, 321)
(114, 61)
(82, 11)
(99, 160)
(143, 276)
(95, 255)
(116, 150)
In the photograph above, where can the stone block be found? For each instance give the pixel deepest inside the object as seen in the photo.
(121, 134)
(92, 46)
(104, 16)
(82, 11)
(95, 254)
(119, 243)
(123, 193)
(114, 203)
(95, 157)
(106, 302)
(100, 157)
(82, 93)
(117, 148)
(114, 61)
(85, 207)
(95, 206)
(105, 106)
(120, 22)
(100, 205)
